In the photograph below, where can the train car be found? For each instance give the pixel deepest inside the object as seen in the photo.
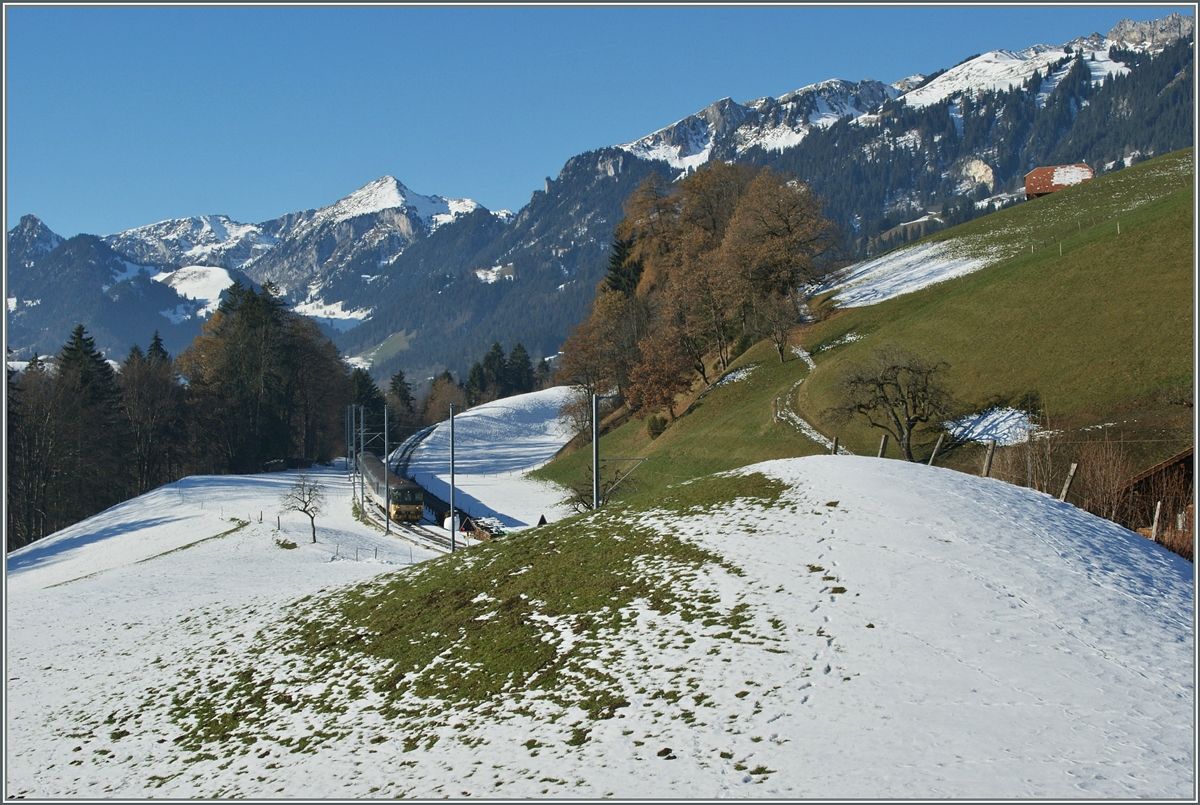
(403, 499)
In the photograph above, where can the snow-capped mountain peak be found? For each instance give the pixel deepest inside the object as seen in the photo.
(31, 237)
(387, 193)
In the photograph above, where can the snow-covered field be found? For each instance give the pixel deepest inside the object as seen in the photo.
(910, 632)
(495, 444)
(102, 612)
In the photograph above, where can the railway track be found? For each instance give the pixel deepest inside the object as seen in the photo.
(423, 536)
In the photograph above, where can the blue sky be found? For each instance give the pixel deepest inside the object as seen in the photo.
(117, 117)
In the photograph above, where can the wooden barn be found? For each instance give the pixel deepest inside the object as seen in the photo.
(1041, 181)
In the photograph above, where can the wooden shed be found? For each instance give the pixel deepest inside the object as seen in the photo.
(1171, 483)
(1040, 181)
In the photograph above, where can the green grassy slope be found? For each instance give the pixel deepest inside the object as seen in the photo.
(1102, 333)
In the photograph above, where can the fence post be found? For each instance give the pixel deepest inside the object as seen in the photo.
(936, 448)
(882, 445)
(833, 452)
(1154, 526)
(1067, 484)
(1029, 458)
(987, 462)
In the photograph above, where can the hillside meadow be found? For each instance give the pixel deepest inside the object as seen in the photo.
(1099, 337)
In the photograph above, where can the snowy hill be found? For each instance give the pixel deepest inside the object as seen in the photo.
(494, 445)
(844, 627)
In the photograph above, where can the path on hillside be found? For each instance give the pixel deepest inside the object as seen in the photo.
(782, 410)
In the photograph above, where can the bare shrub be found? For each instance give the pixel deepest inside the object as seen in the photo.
(1009, 464)
(1181, 540)
(1104, 470)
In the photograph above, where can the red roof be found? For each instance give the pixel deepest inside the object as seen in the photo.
(1040, 181)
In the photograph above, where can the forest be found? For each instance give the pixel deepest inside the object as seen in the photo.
(261, 386)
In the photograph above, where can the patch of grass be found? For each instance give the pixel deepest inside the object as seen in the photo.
(415, 643)
(731, 426)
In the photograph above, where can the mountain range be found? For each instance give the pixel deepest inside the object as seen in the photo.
(422, 283)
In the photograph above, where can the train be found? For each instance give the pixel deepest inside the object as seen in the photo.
(402, 498)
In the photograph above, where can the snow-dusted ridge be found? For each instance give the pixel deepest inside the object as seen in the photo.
(999, 70)
(727, 129)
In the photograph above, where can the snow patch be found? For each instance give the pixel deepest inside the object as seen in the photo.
(899, 272)
(736, 376)
(1007, 426)
(490, 275)
(203, 284)
(333, 314)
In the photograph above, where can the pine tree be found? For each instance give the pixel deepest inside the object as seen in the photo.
(87, 405)
(364, 393)
(476, 385)
(624, 270)
(519, 371)
(495, 372)
(157, 352)
(543, 376)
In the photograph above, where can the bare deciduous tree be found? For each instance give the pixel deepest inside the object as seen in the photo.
(895, 391)
(307, 497)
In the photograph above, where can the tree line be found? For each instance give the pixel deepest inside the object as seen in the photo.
(698, 271)
(259, 385)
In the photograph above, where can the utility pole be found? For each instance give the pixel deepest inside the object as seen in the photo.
(453, 511)
(595, 452)
(387, 492)
(362, 438)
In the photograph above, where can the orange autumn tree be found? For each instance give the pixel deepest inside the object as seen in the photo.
(699, 270)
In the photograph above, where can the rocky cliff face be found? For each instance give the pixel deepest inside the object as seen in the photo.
(1153, 34)
(29, 239)
(728, 130)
